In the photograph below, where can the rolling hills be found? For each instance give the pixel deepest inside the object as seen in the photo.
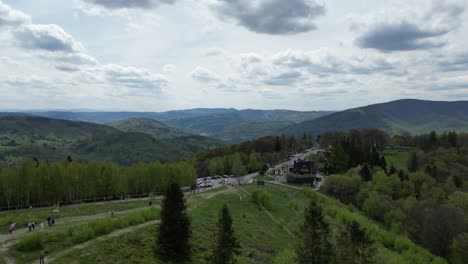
(154, 128)
(414, 116)
(54, 139)
(228, 124)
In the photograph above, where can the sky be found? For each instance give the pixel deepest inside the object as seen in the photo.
(158, 55)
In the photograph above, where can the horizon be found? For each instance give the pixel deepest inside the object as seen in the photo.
(208, 108)
(155, 56)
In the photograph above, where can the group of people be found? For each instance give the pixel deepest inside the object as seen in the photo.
(50, 221)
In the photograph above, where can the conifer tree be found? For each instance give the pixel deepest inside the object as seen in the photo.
(354, 245)
(227, 243)
(314, 246)
(173, 236)
(365, 173)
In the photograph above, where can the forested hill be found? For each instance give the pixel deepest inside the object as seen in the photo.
(25, 137)
(228, 124)
(414, 116)
(243, 125)
(148, 126)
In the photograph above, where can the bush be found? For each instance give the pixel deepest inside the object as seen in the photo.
(263, 199)
(31, 243)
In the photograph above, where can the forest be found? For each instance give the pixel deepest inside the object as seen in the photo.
(40, 183)
(425, 197)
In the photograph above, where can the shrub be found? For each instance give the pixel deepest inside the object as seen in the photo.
(31, 243)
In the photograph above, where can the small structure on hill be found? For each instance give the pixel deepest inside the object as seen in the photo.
(302, 172)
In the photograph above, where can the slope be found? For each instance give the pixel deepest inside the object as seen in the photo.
(414, 116)
(26, 137)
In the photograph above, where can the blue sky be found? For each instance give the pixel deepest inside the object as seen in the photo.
(155, 55)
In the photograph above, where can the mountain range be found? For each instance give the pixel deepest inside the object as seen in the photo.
(408, 115)
(134, 137)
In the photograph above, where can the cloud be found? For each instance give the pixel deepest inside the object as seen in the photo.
(169, 68)
(400, 37)
(458, 62)
(129, 4)
(46, 37)
(406, 31)
(286, 78)
(213, 52)
(11, 17)
(133, 77)
(275, 17)
(204, 75)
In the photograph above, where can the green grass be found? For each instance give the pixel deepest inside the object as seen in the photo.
(264, 178)
(261, 237)
(22, 217)
(399, 158)
(28, 248)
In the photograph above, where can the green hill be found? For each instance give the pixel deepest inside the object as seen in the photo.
(243, 124)
(154, 128)
(414, 116)
(53, 139)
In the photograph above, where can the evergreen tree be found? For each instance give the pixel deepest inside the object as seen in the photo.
(374, 157)
(413, 163)
(227, 243)
(173, 236)
(392, 170)
(383, 163)
(277, 144)
(365, 173)
(314, 246)
(354, 244)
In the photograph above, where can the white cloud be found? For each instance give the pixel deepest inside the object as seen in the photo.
(169, 68)
(11, 17)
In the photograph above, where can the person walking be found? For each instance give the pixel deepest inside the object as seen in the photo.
(41, 257)
(10, 229)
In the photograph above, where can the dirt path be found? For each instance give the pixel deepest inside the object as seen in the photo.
(53, 257)
(6, 241)
(272, 217)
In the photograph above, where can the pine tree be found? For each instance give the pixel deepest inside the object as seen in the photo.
(354, 244)
(314, 246)
(173, 236)
(227, 243)
(365, 173)
(413, 163)
(383, 163)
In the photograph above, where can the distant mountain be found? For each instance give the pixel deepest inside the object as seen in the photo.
(414, 116)
(228, 124)
(53, 139)
(243, 124)
(154, 128)
(108, 117)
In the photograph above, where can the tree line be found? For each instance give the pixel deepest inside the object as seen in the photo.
(41, 183)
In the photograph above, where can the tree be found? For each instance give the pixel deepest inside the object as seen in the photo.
(365, 173)
(413, 163)
(459, 254)
(227, 243)
(339, 159)
(383, 163)
(238, 168)
(354, 244)
(314, 246)
(255, 162)
(173, 236)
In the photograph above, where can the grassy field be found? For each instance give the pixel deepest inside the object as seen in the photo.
(399, 158)
(38, 215)
(264, 178)
(262, 235)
